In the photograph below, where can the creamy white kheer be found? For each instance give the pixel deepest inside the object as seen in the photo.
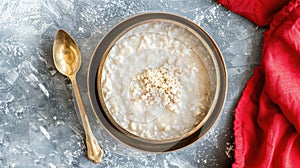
(154, 83)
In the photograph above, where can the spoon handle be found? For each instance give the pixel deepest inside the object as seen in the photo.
(94, 152)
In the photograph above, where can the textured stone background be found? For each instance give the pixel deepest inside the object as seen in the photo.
(39, 126)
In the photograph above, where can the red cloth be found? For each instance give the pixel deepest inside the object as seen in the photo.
(267, 117)
(260, 12)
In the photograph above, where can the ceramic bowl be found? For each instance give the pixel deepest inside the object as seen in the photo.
(212, 59)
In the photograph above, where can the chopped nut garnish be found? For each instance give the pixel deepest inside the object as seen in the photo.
(158, 85)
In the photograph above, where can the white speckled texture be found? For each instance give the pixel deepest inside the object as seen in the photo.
(39, 126)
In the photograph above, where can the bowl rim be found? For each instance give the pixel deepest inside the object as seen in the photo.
(100, 54)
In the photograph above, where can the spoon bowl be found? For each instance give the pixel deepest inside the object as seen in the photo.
(67, 57)
(67, 60)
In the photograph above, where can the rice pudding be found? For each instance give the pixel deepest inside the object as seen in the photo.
(155, 82)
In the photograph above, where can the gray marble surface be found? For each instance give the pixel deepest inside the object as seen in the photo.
(39, 125)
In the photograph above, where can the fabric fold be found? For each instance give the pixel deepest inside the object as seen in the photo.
(267, 117)
(281, 60)
(260, 12)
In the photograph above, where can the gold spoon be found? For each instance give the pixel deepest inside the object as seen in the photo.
(67, 59)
